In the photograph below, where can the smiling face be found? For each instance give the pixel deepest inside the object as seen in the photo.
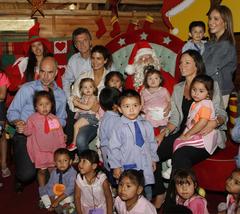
(130, 107)
(197, 33)
(199, 92)
(43, 106)
(98, 61)
(186, 190)
(127, 190)
(187, 66)
(216, 24)
(37, 48)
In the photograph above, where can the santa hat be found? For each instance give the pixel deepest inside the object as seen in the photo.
(139, 49)
(33, 35)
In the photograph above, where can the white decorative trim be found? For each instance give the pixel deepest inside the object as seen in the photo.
(179, 8)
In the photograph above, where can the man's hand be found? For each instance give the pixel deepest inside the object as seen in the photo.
(20, 126)
(154, 166)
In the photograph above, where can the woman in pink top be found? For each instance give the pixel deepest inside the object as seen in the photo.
(155, 99)
(44, 134)
(4, 84)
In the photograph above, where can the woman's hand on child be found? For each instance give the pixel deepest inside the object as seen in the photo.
(167, 110)
(154, 166)
(185, 137)
(117, 173)
(211, 125)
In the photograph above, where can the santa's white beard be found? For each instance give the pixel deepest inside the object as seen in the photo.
(139, 70)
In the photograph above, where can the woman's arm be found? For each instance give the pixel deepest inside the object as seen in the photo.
(85, 106)
(77, 199)
(108, 197)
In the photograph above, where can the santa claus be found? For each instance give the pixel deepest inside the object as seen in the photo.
(142, 56)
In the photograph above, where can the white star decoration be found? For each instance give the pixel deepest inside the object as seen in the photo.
(144, 36)
(166, 40)
(121, 42)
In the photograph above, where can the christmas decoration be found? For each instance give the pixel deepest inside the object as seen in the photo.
(37, 6)
(132, 26)
(116, 27)
(101, 27)
(165, 45)
(33, 35)
(148, 21)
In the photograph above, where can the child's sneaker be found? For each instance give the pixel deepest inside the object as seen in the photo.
(6, 172)
(71, 147)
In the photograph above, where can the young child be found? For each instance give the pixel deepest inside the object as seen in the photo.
(114, 79)
(155, 99)
(130, 199)
(84, 115)
(92, 190)
(44, 134)
(4, 84)
(231, 206)
(196, 35)
(57, 194)
(235, 133)
(132, 144)
(200, 113)
(184, 189)
(109, 103)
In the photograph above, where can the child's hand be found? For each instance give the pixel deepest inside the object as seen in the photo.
(154, 166)
(185, 137)
(117, 173)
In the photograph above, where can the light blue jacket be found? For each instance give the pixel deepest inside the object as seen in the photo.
(125, 152)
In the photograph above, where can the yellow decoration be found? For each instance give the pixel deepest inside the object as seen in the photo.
(196, 10)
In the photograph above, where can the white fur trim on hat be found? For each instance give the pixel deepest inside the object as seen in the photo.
(130, 69)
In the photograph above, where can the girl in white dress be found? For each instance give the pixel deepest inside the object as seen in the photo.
(92, 190)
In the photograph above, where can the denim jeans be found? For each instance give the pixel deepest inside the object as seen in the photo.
(85, 135)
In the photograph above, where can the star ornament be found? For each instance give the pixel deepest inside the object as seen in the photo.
(166, 40)
(37, 6)
(121, 42)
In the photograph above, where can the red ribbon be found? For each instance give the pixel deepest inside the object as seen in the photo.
(46, 126)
